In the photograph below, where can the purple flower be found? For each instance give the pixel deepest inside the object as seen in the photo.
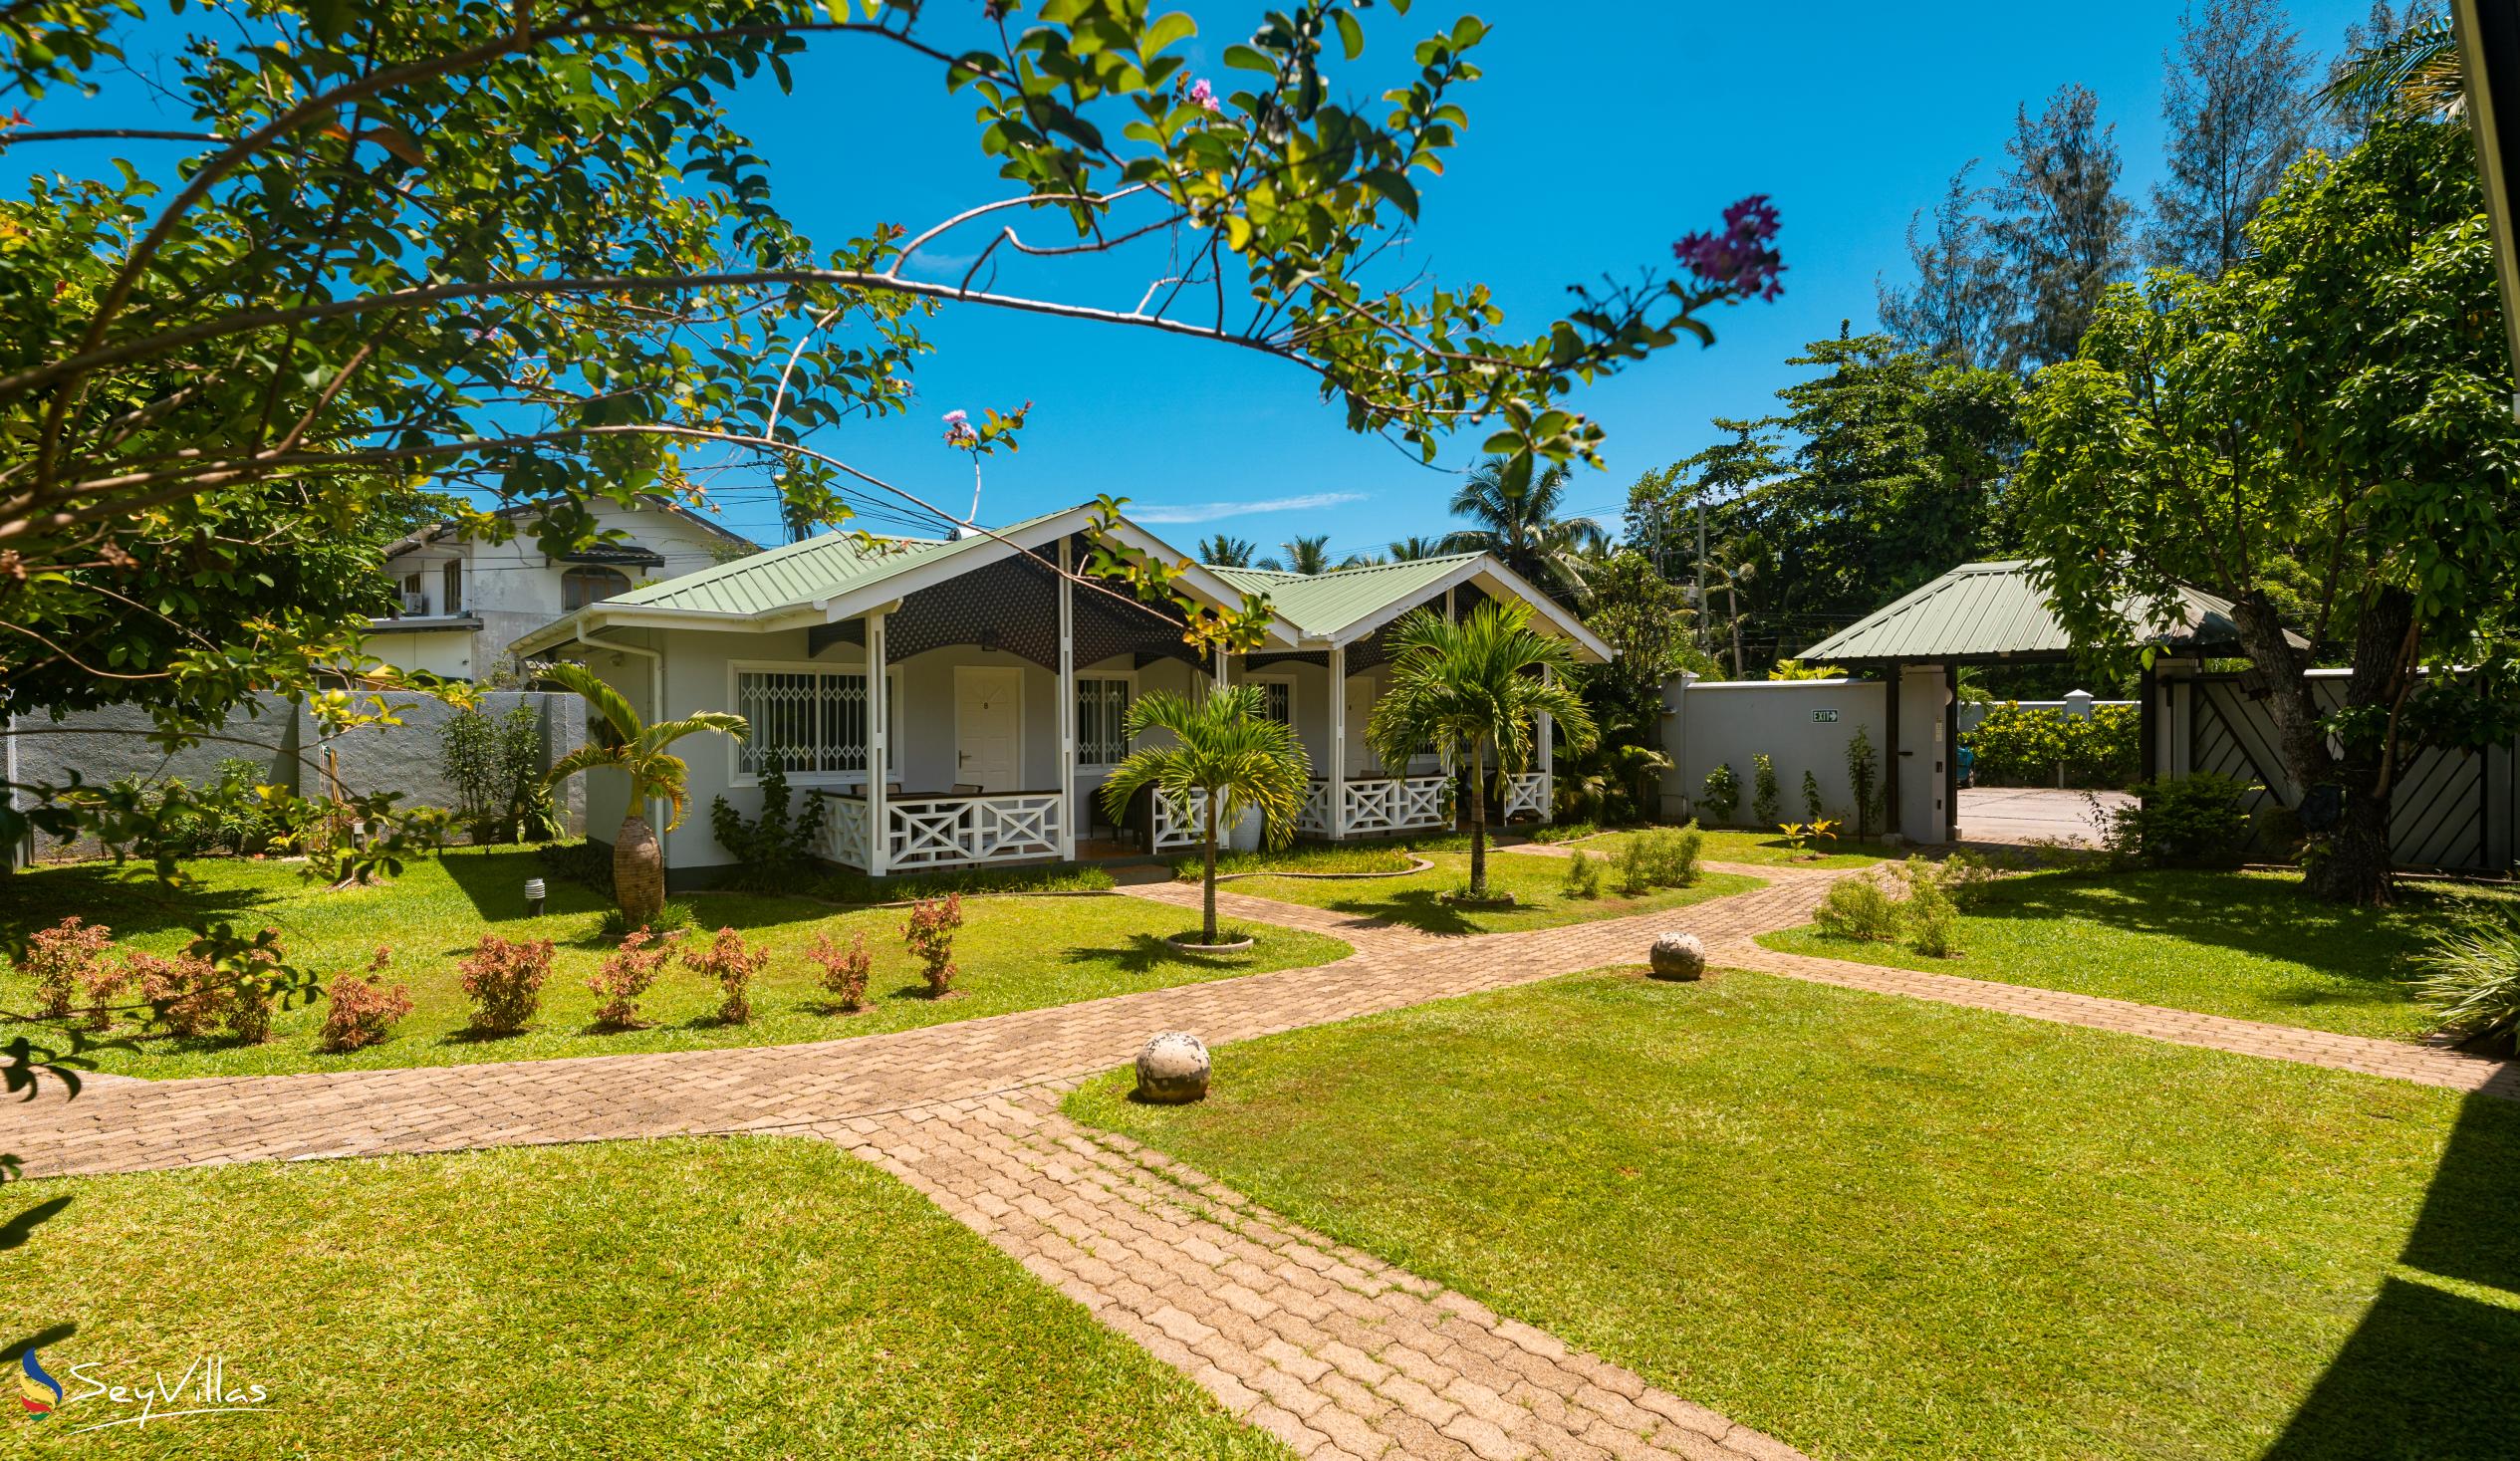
(1203, 97)
(956, 418)
(1739, 259)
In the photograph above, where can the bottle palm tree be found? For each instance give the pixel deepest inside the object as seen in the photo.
(1416, 549)
(1482, 682)
(1521, 525)
(622, 741)
(1218, 551)
(1228, 756)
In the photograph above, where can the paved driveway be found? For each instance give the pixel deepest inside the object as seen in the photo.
(2026, 813)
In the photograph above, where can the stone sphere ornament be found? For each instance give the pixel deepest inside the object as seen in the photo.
(1172, 1068)
(1679, 956)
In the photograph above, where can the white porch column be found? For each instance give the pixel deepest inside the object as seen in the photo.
(1067, 709)
(878, 748)
(1338, 742)
(1548, 728)
(1219, 675)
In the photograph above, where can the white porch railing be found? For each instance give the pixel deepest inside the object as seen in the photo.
(1313, 820)
(844, 835)
(946, 832)
(1528, 792)
(1399, 803)
(1177, 822)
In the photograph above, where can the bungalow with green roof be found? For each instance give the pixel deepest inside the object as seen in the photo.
(1006, 689)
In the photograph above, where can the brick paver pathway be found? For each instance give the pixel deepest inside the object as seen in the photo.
(1327, 1347)
(121, 1125)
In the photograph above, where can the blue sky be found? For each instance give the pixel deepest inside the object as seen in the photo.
(1599, 135)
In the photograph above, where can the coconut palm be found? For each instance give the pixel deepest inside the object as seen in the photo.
(1521, 525)
(1228, 756)
(2413, 73)
(1306, 556)
(1416, 549)
(1483, 681)
(622, 741)
(1218, 551)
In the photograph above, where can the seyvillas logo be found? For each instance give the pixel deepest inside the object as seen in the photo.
(203, 1388)
(37, 1391)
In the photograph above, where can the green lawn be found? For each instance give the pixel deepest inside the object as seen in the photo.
(755, 1297)
(1535, 881)
(1767, 849)
(1878, 1227)
(2243, 944)
(1016, 953)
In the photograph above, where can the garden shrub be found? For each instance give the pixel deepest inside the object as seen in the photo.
(1858, 907)
(187, 992)
(1636, 866)
(2198, 820)
(2471, 980)
(1766, 803)
(627, 975)
(360, 1010)
(931, 936)
(238, 823)
(105, 982)
(1671, 855)
(1811, 796)
(248, 1005)
(774, 852)
(1583, 879)
(1864, 775)
(671, 919)
(2018, 747)
(496, 768)
(582, 862)
(61, 960)
(1966, 876)
(844, 971)
(1933, 920)
(732, 963)
(1564, 832)
(504, 981)
(1721, 795)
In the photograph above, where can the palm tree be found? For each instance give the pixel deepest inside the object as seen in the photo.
(1482, 682)
(622, 741)
(1218, 551)
(1305, 556)
(1417, 548)
(1227, 754)
(2415, 73)
(1521, 525)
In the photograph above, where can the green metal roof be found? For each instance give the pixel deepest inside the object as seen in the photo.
(1321, 604)
(1986, 611)
(801, 572)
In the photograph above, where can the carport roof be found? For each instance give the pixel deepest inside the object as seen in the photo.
(1993, 611)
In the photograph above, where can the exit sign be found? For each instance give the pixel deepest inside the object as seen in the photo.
(1824, 717)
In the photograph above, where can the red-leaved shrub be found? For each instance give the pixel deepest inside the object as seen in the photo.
(627, 975)
(930, 934)
(104, 981)
(844, 971)
(732, 963)
(187, 991)
(63, 959)
(504, 981)
(360, 1010)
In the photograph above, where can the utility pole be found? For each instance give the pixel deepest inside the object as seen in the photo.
(1706, 643)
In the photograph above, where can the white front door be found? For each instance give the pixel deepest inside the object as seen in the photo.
(988, 726)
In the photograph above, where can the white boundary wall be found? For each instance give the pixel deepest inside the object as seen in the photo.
(1707, 722)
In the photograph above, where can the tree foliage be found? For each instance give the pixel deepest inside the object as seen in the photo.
(2328, 425)
(2237, 105)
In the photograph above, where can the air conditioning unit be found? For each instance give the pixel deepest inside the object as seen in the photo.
(415, 604)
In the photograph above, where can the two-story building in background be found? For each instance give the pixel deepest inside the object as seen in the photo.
(462, 601)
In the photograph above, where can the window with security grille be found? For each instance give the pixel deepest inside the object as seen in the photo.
(1277, 700)
(1102, 722)
(814, 721)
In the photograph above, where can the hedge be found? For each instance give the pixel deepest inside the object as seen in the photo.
(2024, 748)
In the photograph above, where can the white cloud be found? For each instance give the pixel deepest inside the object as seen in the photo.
(1208, 512)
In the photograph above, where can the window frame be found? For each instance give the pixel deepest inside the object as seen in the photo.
(1124, 677)
(1294, 712)
(737, 777)
(591, 569)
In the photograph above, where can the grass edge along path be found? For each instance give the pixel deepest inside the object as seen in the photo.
(1879, 1227)
(740, 1296)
